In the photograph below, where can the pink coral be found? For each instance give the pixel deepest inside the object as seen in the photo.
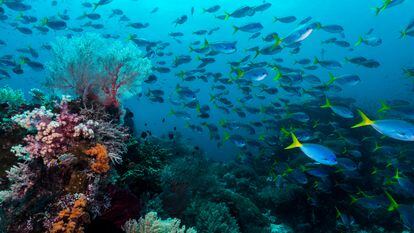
(56, 133)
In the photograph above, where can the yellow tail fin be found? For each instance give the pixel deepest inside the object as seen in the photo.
(295, 143)
(327, 103)
(365, 120)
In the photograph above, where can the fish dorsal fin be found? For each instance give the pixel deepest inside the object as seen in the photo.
(365, 120)
(295, 142)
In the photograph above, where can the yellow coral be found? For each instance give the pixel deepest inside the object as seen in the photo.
(101, 163)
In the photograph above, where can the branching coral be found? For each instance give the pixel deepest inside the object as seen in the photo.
(92, 65)
(55, 133)
(71, 220)
(152, 224)
(101, 163)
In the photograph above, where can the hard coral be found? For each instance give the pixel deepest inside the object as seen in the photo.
(71, 220)
(101, 163)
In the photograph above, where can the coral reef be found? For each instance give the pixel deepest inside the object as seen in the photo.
(72, 219)
(101, 163)
(152, 224)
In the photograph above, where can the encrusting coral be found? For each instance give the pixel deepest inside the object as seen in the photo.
(101, 163)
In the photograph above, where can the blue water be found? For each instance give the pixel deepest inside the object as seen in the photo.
(386, 82)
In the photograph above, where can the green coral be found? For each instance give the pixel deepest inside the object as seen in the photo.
(13, 98)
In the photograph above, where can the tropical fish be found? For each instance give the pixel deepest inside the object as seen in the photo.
(211, 9)
(370, 41)
(240, 12)
(339, 110)
(286, 19)
(386, 5)
(250, 27)
(319, 153)
(397, 129)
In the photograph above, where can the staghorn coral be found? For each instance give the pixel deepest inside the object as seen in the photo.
(71, 220)
(152, 224)
(101, 163)
(91, 65)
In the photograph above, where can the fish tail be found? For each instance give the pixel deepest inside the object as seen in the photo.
(397, 175)
(338, 213)
(257, 53)
(295, 142)
(191, 49)
(171, 113)
(227, 15)
(332, 79)
(359, 42)
(278, 76)
(226, 136)
(353, 199)
(278, 40)
(235, 29)
(275, 19)
(205, 43)
(315, 61)
(240, 73)
(393, 204)
(129, 37)
(403, 34)
(327, 103)
(44, 21)
(95, 5)
(377, 10)
(365, 120)
(377, 147)
(384, 107)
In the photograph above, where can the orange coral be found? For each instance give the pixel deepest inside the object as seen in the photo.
(101, 164)
(69, 220)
